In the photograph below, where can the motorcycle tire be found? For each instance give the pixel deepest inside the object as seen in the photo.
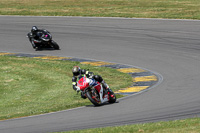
(112, 97)
(94, 97)
(55, 45)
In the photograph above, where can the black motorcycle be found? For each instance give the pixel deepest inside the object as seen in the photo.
(44, 40)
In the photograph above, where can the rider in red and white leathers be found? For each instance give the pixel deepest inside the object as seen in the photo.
(78, 73)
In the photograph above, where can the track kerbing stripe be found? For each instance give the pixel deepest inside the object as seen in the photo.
(131, 70)
(97, 63)
(6, 53)
(145, 78)
(133, 89)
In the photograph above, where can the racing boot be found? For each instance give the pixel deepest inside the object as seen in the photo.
(108, 91)
(106, 87)
(33, 44)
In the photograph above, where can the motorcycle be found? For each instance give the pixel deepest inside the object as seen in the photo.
(44, 40)
(95, 92)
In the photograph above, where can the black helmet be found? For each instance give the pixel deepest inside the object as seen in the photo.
(34, 29)
(76, 70)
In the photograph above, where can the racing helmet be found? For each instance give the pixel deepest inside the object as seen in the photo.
(34, 29)
(76, 70)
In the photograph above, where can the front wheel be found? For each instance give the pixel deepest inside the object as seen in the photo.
(94, 97)
(55, 45)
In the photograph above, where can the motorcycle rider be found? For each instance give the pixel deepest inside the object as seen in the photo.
(34, 35)
(78, 73)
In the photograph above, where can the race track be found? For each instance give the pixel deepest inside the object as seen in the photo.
(168, 47)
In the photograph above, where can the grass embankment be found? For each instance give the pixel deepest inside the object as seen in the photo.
(34, 86)
(179, 126)
(177, 9)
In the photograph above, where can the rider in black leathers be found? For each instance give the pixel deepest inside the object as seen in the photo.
(34, 35)
(78, 73)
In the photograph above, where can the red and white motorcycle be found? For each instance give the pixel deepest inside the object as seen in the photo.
(95, 92)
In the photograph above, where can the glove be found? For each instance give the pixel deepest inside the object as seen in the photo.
(30, 35)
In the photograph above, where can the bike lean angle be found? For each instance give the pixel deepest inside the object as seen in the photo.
(44, 41)
(95, 92)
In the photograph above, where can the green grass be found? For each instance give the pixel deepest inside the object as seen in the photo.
(31, 86)
(173, 9)
(178, 126)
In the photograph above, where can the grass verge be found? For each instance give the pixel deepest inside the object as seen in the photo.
(31, 86)
(176, 9)
(178, 126)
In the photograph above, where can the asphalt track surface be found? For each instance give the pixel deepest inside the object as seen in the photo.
(168, 47)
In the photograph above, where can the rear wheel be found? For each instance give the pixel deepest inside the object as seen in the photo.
(55, 45)
(94, 97)
(112, 97)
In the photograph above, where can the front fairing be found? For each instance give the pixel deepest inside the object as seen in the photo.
(83, 83)
(90, 84)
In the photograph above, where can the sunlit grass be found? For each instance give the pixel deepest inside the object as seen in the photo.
(187, 9)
